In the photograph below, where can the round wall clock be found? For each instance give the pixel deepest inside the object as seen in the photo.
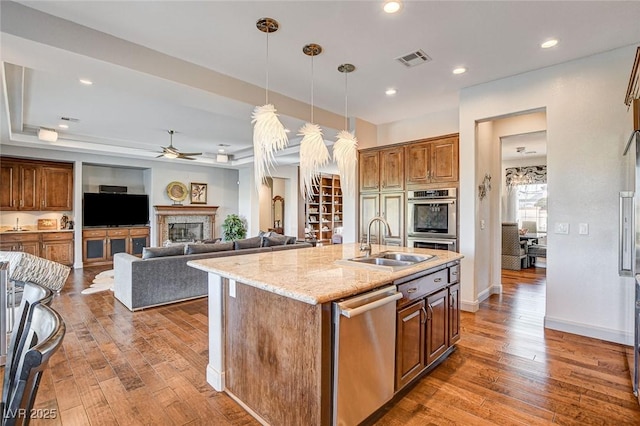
(177, 191)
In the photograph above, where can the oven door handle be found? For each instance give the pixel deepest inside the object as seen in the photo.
(430, 201)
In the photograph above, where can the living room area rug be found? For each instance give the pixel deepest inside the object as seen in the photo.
(101, 282)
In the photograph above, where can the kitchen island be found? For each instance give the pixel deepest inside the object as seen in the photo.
(270, 323)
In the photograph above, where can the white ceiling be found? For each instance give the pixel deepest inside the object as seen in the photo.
(138, 94)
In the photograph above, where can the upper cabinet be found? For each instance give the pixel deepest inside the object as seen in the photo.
(382, 170)
(34, 185)
(432, 161)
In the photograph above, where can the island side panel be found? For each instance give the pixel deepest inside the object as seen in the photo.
(278, 359)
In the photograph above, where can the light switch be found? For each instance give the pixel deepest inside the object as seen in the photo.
(232, 288)
(482, 224)
(561, 228)
(583, 229)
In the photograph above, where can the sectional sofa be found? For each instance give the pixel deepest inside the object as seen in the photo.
(162, 276)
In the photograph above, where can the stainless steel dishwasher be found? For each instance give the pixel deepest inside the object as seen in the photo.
(363, 354)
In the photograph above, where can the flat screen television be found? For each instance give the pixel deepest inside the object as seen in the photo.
(100, 209)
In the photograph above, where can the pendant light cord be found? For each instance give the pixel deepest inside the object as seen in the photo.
(346, 102)
(312, 88)
(267, 82)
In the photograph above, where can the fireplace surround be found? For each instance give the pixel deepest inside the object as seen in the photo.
(167, 215)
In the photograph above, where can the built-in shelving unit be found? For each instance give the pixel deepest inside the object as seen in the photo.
(323, 210)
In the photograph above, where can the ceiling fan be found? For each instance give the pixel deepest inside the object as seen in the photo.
(171, 152)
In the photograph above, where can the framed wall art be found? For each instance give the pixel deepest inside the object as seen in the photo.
(198, 193)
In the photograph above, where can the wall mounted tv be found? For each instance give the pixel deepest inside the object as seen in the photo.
(115, 209)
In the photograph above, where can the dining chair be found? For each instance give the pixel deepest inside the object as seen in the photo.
(43, 337)
(531, 226)
(514, 251)
(32, 295)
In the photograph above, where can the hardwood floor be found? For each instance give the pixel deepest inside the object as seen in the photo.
(118, 367)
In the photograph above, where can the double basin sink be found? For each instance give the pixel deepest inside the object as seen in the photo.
(388, 260)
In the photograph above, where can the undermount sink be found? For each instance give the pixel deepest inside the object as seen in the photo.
(388, 260)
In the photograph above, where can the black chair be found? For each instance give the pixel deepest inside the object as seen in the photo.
(32, 296)
(42, 339)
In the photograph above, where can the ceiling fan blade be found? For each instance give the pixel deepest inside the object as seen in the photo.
(190, 153)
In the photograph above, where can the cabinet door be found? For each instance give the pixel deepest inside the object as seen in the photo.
(444, 160)
(57, 188)
(9, 182)
(409, 343)
(29, 187)
(369, 165)
(94, 249)
(58, 251)
(117, 242)
(392, 169)
(437, 333)
(454, 314)
(31, 247)
(392, 209)
(369, 204)
(418, 163)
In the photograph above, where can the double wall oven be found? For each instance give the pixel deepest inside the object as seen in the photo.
(432, 219)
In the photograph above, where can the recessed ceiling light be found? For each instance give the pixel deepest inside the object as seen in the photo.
(86, 82)
(63, 126)
(460, 70)
(392, 6)
(390, 92)
(549, 43)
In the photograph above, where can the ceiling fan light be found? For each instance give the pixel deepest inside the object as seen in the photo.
(222, 158)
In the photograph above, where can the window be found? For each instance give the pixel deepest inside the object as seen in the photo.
(532, 205)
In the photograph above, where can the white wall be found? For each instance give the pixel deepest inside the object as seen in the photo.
(587, 126)
(426, 126)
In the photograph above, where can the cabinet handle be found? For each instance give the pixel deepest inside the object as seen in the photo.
(437, 280)
(42, 203)
(412, 290)
(425, 315)
(21, 203)
(454, 273)
(13, 203)
(431, 311)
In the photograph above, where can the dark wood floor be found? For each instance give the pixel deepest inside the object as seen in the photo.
(118, 367)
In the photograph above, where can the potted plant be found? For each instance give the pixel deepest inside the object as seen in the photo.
(233, 228)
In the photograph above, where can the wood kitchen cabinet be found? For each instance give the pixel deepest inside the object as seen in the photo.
(409, 343)
(56, 246)
(427, 322)
(382, 170)
(432, 161)
(30, 185)
(99, 245)
(390, 206)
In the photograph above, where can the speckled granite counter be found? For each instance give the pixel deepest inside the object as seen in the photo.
(312, 275)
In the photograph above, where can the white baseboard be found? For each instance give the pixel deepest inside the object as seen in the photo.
(215, 378)
(482, 296)
(615, 336)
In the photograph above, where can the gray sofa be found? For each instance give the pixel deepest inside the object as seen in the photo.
(162, 276)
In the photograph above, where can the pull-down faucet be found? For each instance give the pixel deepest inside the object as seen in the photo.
(367, 245)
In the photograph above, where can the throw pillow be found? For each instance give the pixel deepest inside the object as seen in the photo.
(207, 248)
(151, 252)
(291, 240)
(276, 240)
(253, 242)
(215, 240)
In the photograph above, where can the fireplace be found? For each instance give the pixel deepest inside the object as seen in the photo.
(185, 223)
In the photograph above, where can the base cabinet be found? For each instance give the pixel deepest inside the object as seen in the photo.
(99, 245)
(56, 246)
(427, 322)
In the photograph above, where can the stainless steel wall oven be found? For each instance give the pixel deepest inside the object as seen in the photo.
(432, 218)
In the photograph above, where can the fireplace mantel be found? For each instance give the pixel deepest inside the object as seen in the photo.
(163, 213)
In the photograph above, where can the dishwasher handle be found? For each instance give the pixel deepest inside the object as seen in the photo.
(353, 312)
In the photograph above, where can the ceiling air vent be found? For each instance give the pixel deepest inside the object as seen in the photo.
(414, 58)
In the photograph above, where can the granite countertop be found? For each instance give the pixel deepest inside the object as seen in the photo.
(30, 230)
(311, 275)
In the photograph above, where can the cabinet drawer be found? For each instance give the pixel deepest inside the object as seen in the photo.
(94, 233)
(423, 286)
(454, 274)
(139, 231)
(57, 236)
(118, 232)
(18, 238)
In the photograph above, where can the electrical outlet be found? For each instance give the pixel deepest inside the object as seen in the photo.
(583, 229)
(482, 224)
(561, 228)
(232, 288)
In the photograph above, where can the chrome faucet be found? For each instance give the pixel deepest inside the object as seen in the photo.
(366, 246)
